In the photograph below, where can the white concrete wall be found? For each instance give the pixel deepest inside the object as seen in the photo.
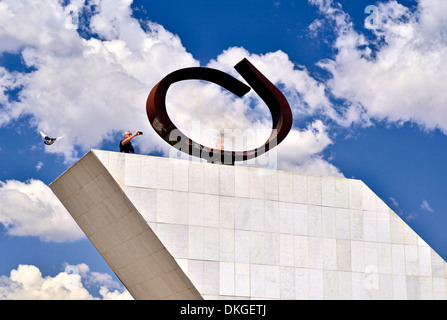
(247, 233)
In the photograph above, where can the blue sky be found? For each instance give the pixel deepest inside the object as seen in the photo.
(368, 102)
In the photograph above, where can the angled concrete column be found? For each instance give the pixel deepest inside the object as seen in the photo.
(120, 233)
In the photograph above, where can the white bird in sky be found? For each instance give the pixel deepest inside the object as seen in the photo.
(49, 141)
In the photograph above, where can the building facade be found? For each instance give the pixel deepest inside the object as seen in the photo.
(177, 229)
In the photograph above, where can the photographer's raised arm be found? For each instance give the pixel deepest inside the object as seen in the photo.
(129, 136)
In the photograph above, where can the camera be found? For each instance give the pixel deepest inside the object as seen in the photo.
(140, 133)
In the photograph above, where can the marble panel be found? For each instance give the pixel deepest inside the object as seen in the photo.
(357, 256)
(211, 210)
(226, 278)
(272, 216)
(300, 189)
(328, 193)
(370, 226)
(242, 279)
(356, 223)
(226, 212)
(165, 175)
(211, 179)
(341, 193)
(355, 194)
(342, 223)
(149, 172)
(329, 254)
(385, 258)
(314, 187)
(272, 282)
(116, 167)
(242, 213)
(286, 250)
(196, 177)
(316, 284)
(180, 174)
(272, 248)
(439, 289)
(286, 224)
(411, 260)
(399, 287)
(285, 186)
(241, 181)
(343, 255)
(257, 247)
(226, 181)
(271, 186)
(344, 285)
(211, 245)
(227, 244)
(314, 221)
(398, 259)
(385, 287)
(424, 259)
(210, 281)
(195, 242)
(287, 283)
(396, 229)
(328, 222)
(330, 284)
(257, 189)
(132, 171)
(368, 199)
(165, 206)
(302, 283)
(301, 249)
(257, 215)
(315, 253)
(257, 280)
(242, 246)
(383, 227)
(300, 219)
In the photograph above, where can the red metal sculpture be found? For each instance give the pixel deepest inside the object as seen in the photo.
(274, 99)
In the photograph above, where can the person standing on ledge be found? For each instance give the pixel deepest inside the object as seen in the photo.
(125, 144)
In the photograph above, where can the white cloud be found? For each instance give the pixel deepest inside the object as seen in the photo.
(301, 151)
(27, 283)
(39, 165)
(31, 209)
(402, 78)
(426, 206)
(394, 202)
(304, 93)
(35, 24)
(404, 214)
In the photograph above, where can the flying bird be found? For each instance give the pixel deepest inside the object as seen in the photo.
(49, 141)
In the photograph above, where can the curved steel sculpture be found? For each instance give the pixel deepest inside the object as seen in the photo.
(275, 100)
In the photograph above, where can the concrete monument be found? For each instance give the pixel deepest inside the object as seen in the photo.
(177, 229)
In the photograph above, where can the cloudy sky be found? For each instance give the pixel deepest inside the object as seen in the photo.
(364, 79)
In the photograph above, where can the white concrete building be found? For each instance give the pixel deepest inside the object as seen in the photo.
(176, 229)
